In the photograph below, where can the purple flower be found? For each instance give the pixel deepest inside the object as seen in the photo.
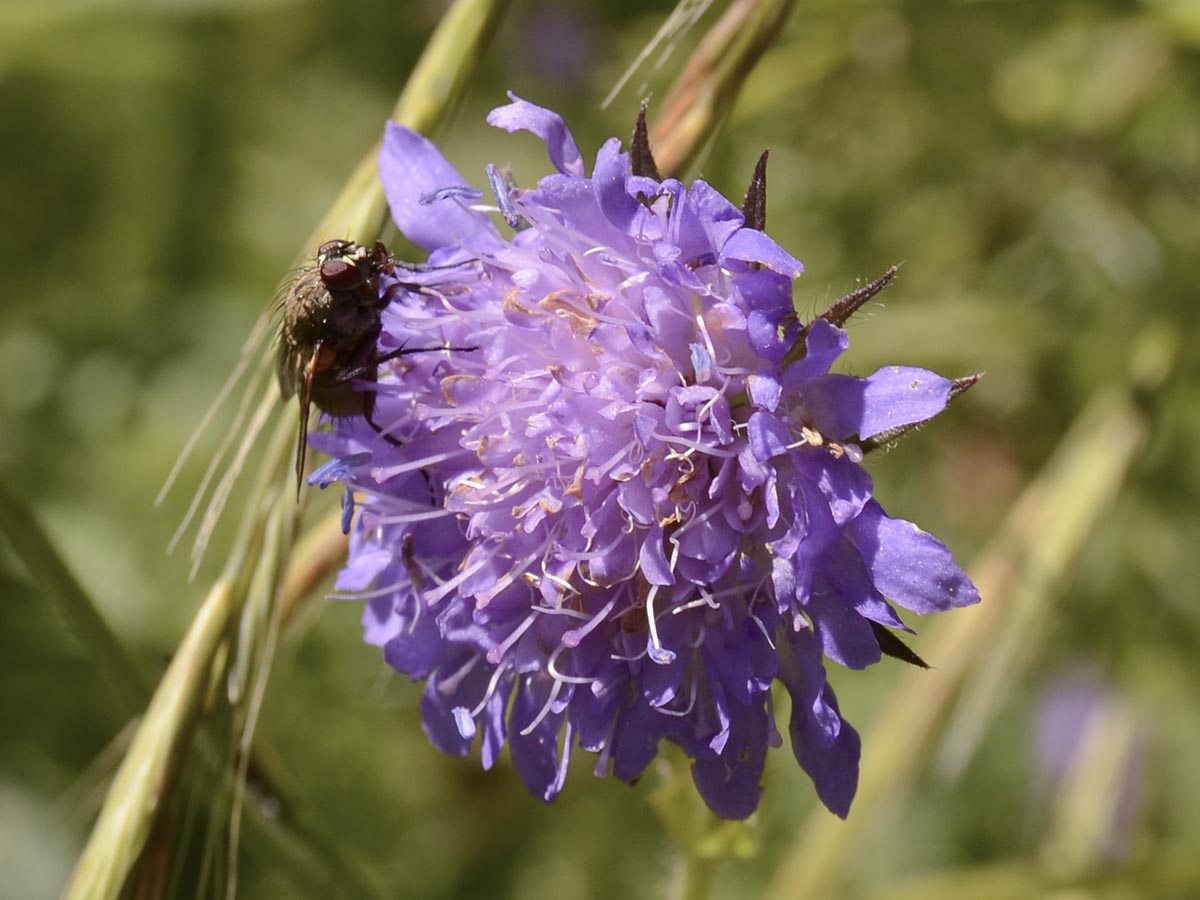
(1090, 748)
(639, 502)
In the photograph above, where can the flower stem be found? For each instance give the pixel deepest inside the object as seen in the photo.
(708, 86)
(148, 774)
(429, 98)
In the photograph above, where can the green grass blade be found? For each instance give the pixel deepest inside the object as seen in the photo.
(35, 550)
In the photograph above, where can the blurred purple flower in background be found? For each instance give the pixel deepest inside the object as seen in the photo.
(1090, 747)
(559, 44)
(639, 502)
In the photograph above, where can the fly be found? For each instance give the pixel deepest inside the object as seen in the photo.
(329, 334)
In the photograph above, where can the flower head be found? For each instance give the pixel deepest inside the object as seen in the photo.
(639, 501)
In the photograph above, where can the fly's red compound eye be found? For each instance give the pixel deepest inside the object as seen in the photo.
(341, 275)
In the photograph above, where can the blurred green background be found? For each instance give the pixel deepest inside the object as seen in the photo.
(1034, 166)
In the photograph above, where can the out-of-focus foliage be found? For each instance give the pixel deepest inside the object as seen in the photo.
(1036, 169)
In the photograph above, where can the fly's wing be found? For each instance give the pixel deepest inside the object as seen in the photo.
(300, 301)
(305, 377)
(289, 364)
(288, 368)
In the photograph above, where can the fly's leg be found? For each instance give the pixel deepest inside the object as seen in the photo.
(374, 364)
(369, 371)
(369, 415)
(404, 351)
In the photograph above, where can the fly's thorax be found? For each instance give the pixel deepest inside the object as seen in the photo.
(306, 307)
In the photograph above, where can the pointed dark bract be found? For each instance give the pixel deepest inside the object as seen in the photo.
(839, 314)
(841, 311)
(754, 207)
(641, 160)
(892, 646)
(960, 386)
